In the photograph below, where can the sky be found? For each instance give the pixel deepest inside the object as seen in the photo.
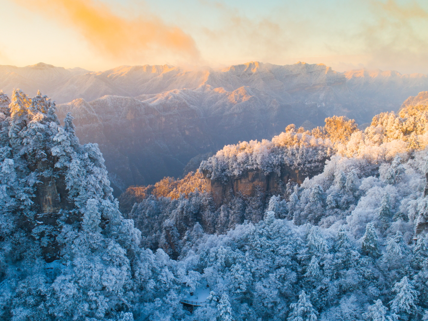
(103, 34)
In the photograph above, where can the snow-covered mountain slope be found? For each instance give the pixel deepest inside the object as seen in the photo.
(44, 77)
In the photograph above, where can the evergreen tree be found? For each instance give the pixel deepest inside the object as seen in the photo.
(345, 255)
(278, 206)
(313, 272)
(224, 308)
(397, 255)
(269, 217)
(385, 213)
(394, 172)
(316, 242)
(404, 303)
(420, 252)
(370, 245)
(293, 206)
(302, 310)
(377, 312)
(351, 184)
(422, 218)
(340, 180)
(314, 209)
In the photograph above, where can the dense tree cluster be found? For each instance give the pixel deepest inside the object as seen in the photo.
(359, 155)
(66, 252)
(297, 150)
(348, 244)
(370, 196)
(389, 134)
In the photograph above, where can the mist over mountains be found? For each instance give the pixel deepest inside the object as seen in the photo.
(150, 121)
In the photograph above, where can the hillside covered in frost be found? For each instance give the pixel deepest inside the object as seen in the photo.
(348, 244)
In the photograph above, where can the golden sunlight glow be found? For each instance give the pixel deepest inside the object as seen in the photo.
(114, 35)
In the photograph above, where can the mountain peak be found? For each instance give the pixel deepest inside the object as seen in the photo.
(41, 65)
(371, 73)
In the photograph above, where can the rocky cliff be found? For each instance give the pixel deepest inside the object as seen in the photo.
(254, 182)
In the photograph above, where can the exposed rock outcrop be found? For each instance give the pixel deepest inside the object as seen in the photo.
(253, 182)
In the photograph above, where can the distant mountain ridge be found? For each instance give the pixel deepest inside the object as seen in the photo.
(150, 121)
(333, 92)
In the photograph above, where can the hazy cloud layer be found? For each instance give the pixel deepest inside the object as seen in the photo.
(4, 57)
(126, 40)
(280, 37)
(392, 36)
(399, 37)
(383, 34)
(239, 38)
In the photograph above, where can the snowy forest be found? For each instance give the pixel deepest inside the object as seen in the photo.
(348, 242)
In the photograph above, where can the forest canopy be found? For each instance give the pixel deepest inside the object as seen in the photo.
(349, 243)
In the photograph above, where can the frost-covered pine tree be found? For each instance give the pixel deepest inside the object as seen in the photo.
(313, 272)
(316, 242)
(377, 312)
(345, 255)
(405, 302)
(224, 308)
(278, 206)
(397, 255)
(394, 171)
(302, 310)
(370, 245)
(269, 217)
(420, 252)
(385, 214)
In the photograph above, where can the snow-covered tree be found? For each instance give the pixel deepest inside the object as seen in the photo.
(302, 310)
(385, 212)
(377, 312)
(370, 244)
(224, 308)
(405, 299)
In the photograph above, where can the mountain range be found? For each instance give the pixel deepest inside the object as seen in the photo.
(354, 93)
(150, 121)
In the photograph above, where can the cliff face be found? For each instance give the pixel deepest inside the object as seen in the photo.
(168, 223)
(254, 182)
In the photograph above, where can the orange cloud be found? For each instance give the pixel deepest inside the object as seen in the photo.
(115, 36)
